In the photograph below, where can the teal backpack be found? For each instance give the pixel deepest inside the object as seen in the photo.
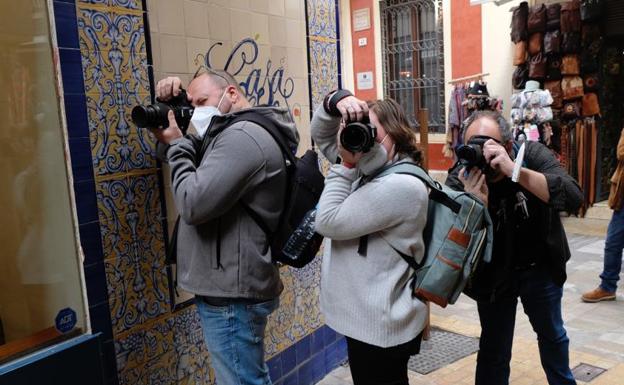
(458, 236)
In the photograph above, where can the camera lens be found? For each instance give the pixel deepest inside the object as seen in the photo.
(354, 137)
(154, 115)
(470, 155)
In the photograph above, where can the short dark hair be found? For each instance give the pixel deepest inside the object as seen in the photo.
(223, 78)
(497, 117)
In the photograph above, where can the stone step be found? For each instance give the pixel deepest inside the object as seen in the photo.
(599, 210)
(585, 226)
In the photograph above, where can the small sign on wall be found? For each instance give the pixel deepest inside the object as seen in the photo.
(365, 80)
(361, 19)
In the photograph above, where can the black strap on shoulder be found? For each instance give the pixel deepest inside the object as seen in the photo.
(269, 126)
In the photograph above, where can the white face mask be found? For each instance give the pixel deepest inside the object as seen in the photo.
(202, 116)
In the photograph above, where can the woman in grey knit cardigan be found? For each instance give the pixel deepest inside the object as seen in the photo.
(366, 296)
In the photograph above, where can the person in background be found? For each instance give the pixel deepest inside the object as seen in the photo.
(614, 243)
(366, 294)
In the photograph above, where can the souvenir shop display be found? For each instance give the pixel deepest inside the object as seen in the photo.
(557, 81)
(466, 97)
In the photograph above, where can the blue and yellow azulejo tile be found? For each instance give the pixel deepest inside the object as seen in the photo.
(109, 28)
(322, 18)
(324, 69)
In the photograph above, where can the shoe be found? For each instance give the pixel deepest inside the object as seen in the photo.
(598, 295)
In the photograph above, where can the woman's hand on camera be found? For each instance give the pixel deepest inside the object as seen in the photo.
(352, 108)
(170, 133)
(168, 88)
(498, 158)
(475, 183)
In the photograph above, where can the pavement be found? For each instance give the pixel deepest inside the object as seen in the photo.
(595, 330)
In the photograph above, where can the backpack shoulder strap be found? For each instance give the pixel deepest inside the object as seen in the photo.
(436, 191)
(269, 126)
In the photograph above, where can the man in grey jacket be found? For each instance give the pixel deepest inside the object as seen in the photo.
(222, 253)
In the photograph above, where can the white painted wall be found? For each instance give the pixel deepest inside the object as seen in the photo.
(498, 50)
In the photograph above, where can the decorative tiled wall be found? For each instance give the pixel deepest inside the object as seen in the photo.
(108, 67)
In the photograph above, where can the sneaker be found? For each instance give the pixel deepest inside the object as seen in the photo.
(598, 295)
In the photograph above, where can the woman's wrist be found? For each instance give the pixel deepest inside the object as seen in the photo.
(348, 164)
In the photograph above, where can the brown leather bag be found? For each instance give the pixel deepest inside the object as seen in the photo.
(554, 68)
(552, 42)
(571, 42)
(537, 19)
(591, 106)
(591, 83)
(520, 53)
(554, 87)
(553, 17)
(571, 110)
(537, 67)
(570, 65)
(572, 87)
(519, 17)
(520, 76)
(571, 16)
(535, 43)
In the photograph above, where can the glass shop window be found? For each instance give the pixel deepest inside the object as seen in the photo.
(41, 299)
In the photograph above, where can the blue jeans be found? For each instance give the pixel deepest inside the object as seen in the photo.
(234, 336)
(614, 244)
(541, 300)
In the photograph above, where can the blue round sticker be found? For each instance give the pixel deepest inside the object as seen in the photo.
(65, 320)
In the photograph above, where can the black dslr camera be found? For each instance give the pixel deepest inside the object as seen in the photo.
(470, 154)
(155, 115)
(358, 136)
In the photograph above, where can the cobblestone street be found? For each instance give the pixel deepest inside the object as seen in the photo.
(595, 330)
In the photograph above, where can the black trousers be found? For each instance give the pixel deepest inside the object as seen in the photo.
(373, 365)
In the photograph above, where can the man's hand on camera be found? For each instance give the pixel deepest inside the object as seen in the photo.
(352, 108)
(475, 183)
(498, 158)
(168, 88)
(170, 133)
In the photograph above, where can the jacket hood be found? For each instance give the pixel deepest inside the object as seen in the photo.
(283, 120)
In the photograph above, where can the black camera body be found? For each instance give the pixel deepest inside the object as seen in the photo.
(358, 136)
(155, 115)
(471, 154)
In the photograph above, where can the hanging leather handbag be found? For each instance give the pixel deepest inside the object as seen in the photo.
(537, 19)
(554, 87)
(537, 67)
(571, 110)
(591, 83)
(552, 42)
(591, 10)
(520, 76)
(535, 43)
(590, 33)
(589, 63)
(571, 42)
(570, 16)
(572, 87)
(570, 65)
(519, 17)
(553, 72)
(591, 106)
(520, 53)
(553, 17)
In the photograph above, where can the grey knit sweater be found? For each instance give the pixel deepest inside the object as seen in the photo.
(369, 298)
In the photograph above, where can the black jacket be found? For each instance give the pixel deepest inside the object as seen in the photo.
(519, 242)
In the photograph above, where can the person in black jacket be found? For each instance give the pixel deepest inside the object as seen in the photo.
(530, 248)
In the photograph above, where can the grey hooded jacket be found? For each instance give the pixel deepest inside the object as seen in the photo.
(242, 163)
